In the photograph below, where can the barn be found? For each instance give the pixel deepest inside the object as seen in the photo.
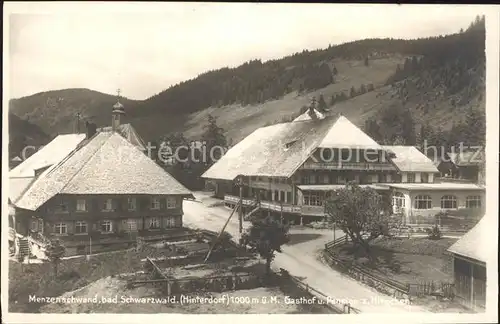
(469, 266)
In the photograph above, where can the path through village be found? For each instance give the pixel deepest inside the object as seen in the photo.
(300, 258)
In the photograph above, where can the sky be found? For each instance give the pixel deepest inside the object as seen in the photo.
(143, 48)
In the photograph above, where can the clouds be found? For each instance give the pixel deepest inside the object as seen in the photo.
(145, 47)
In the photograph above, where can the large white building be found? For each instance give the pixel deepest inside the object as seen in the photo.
(293, 167)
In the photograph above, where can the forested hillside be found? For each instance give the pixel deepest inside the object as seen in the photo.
(23, 133)
(56, 111)
(432, 84)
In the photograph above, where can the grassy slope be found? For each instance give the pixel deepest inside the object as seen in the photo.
(239, 121)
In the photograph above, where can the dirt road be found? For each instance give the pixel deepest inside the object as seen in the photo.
(299, 257)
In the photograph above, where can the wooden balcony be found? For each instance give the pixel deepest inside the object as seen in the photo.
(313, 210)
(337, 165)
(277, 206)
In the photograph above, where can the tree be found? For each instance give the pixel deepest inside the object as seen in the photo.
(321, 103)
(372, 128)
(215, 140)
(366, 61)
(54, 252)
(475, 122)
(265, 236)
(362, 213)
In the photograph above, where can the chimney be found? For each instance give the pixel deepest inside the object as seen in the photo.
(91, 129)
(116, 113)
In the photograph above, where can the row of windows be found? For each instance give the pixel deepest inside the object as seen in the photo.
(270, 180)
(341, 179)
(447, 202)
(424, 177)
(106, 226)
(107, 204)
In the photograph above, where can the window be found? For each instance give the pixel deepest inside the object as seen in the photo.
(60, 228)
(423, 202)
(106, 226)
(448, 202)
(473, 202)
(171, 202)
(154, 223)
(62, 207)
(312, 179)
(276, 195)
(80, 227)
(131, 203)
(325, 179)
(131, 225)
(313, 199)
(155, 203)
(34, 225)
(81, 205)
(289, 197)
(108, 204)
(425, 177)
(305, 180)
(341, 180)
(169, 222)
(398, 202)
(410, 178)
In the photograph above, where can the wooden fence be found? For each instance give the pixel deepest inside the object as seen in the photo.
(340, 241)
(441, 289)
(179, 286)
(340, 308)
(389, 286)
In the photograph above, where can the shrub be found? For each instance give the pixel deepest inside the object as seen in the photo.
(434, 233)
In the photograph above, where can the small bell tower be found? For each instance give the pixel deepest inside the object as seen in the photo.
(118, 111)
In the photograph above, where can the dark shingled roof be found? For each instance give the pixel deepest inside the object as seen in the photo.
(106, 164)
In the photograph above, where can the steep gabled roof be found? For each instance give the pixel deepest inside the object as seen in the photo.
(276, 150)
(410, 159)
(129, 132)
(51, 153)
(279, 150)
(475, 243)
(107, 164)
(344, 134)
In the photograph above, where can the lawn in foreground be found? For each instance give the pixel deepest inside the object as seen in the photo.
(413, 260)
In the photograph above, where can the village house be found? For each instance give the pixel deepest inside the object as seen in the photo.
(466, 165)
(470, 253)
(95, 192)
(291, 168)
